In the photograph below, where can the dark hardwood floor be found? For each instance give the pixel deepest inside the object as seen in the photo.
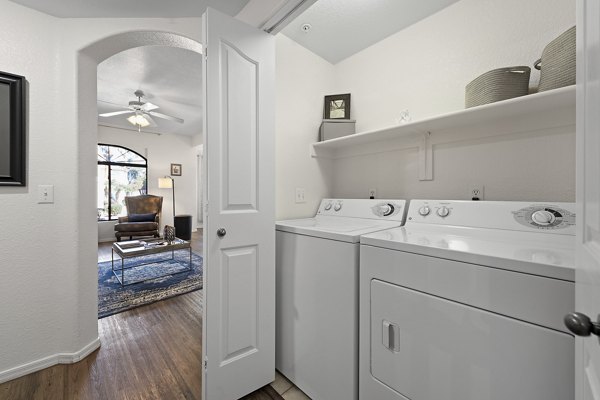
(151, 352)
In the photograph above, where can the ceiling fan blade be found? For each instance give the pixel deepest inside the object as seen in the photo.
(112, 114)
(114, 104)
(148, 107)
(149, 119)
(164, 116)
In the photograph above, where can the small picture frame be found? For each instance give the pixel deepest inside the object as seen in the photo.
(176, 169)
(337, 106)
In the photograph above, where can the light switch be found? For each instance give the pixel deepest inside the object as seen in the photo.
(45, 194)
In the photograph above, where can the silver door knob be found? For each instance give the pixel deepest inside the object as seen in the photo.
(221, 232)
(581, 325)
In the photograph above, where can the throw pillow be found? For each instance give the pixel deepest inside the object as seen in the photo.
(150, 217)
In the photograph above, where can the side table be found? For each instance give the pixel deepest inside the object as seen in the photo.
(183, 227)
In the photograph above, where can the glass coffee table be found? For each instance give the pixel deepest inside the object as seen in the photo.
(140, 248)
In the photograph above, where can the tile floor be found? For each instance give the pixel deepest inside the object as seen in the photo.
(286, 389)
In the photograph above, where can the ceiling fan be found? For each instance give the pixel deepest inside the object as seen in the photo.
(142, 111)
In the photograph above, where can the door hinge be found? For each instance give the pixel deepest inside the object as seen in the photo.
(205, 364)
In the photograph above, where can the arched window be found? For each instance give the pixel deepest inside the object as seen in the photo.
(121, 172)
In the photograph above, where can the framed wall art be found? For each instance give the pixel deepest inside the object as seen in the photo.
(337, 106)
(12, 130)
(176, 169)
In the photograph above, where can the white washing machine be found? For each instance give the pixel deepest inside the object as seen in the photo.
(465, 302)
(317, 293)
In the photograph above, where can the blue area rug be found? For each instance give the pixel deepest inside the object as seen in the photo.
(114, 298)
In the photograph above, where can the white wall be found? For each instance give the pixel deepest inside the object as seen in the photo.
(424, 68)
(303, 78)
(37, 255)
(48, 307)
(48, 276)
(160, 151)
(505, 165)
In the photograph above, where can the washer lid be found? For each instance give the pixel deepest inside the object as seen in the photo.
(552, 256)
(336, 228)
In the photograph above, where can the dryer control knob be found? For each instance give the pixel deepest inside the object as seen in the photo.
(443, 211)
(424, 211)
(337, 207)
(328, 206)
(543, 217)
(386, 210)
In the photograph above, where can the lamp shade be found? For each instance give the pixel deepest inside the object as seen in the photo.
(138, 120)
(165, 183)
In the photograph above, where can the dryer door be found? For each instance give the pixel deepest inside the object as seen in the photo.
(428, 348)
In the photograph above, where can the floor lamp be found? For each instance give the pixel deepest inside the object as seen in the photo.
(168, 183)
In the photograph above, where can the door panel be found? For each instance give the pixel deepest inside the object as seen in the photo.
(588, 194)
(239, 299)
(239, 277)
(239, 87)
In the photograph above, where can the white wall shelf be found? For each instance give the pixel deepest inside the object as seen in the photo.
(534, 112)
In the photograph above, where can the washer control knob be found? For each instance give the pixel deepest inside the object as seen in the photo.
(337, 207)
(543, 217)
(424, 211)
(328, 206)
(443, 211)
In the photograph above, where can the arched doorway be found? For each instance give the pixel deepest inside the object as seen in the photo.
(88, 59)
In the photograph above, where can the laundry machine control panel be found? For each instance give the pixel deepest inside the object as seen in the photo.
(556, 218)
(545, 217)
(430, 210)
(393, 210)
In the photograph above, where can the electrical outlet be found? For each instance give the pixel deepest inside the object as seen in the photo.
(372, 193)
(300, 195)
(476, 192)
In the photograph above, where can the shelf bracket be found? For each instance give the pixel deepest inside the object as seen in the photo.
(425, 157)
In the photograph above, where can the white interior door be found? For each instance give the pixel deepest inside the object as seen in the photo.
(588, 198)
(239, 223)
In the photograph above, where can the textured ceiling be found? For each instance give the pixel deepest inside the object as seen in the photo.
(170, 77)
(341, 28)
(131, 8)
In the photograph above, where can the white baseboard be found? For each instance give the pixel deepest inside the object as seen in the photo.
(60, 358)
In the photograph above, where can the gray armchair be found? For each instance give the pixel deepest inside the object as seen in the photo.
(143, 217)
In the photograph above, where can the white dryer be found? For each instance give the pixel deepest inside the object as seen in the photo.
(465, 302)
(317, 293)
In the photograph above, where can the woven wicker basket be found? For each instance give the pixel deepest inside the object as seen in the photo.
(557, 64)
(498, 84)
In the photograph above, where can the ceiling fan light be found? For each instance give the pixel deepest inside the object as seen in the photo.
(138, 120)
